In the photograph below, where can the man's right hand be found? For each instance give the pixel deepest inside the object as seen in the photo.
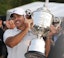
(29, 23)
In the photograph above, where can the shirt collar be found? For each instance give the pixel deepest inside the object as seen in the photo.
(16, 29)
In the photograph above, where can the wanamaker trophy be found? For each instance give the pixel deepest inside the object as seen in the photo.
(42, 21)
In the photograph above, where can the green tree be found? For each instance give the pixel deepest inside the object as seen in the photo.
(4, 6)
(8, 4)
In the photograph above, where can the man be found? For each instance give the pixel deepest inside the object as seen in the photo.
(14, 38)
(1, 38)
(55, 37)
(3, 50)
(18, 39)
(58, 48)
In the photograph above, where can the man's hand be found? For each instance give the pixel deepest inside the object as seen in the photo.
(10, 24)
(29, 23)
(53, 30)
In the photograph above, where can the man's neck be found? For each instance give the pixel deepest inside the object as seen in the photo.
(21, 28)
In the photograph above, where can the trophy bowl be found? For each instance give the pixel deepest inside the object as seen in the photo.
(42, 21)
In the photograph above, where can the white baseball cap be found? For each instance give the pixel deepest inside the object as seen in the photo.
(18, 11)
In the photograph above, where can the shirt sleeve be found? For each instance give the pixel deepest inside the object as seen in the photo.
(7, 33)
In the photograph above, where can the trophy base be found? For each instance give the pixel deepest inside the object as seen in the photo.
(34, 54)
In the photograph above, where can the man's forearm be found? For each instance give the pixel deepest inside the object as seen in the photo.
(47, 47)
(13, 41)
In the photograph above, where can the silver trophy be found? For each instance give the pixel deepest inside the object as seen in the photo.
(42, 19)
(42, 22)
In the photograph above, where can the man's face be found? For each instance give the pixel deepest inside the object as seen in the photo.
(18, 20)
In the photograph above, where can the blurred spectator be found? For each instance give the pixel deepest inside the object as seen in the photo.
(58, 50)
(8, 24)
(1, 38)
(3, 49)
(53, 53)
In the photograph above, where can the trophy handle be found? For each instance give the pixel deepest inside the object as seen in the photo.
(57, 22)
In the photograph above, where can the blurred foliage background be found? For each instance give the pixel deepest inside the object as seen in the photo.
(8, 4)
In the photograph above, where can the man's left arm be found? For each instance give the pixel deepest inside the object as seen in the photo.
(47, 46)
(52, 32)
